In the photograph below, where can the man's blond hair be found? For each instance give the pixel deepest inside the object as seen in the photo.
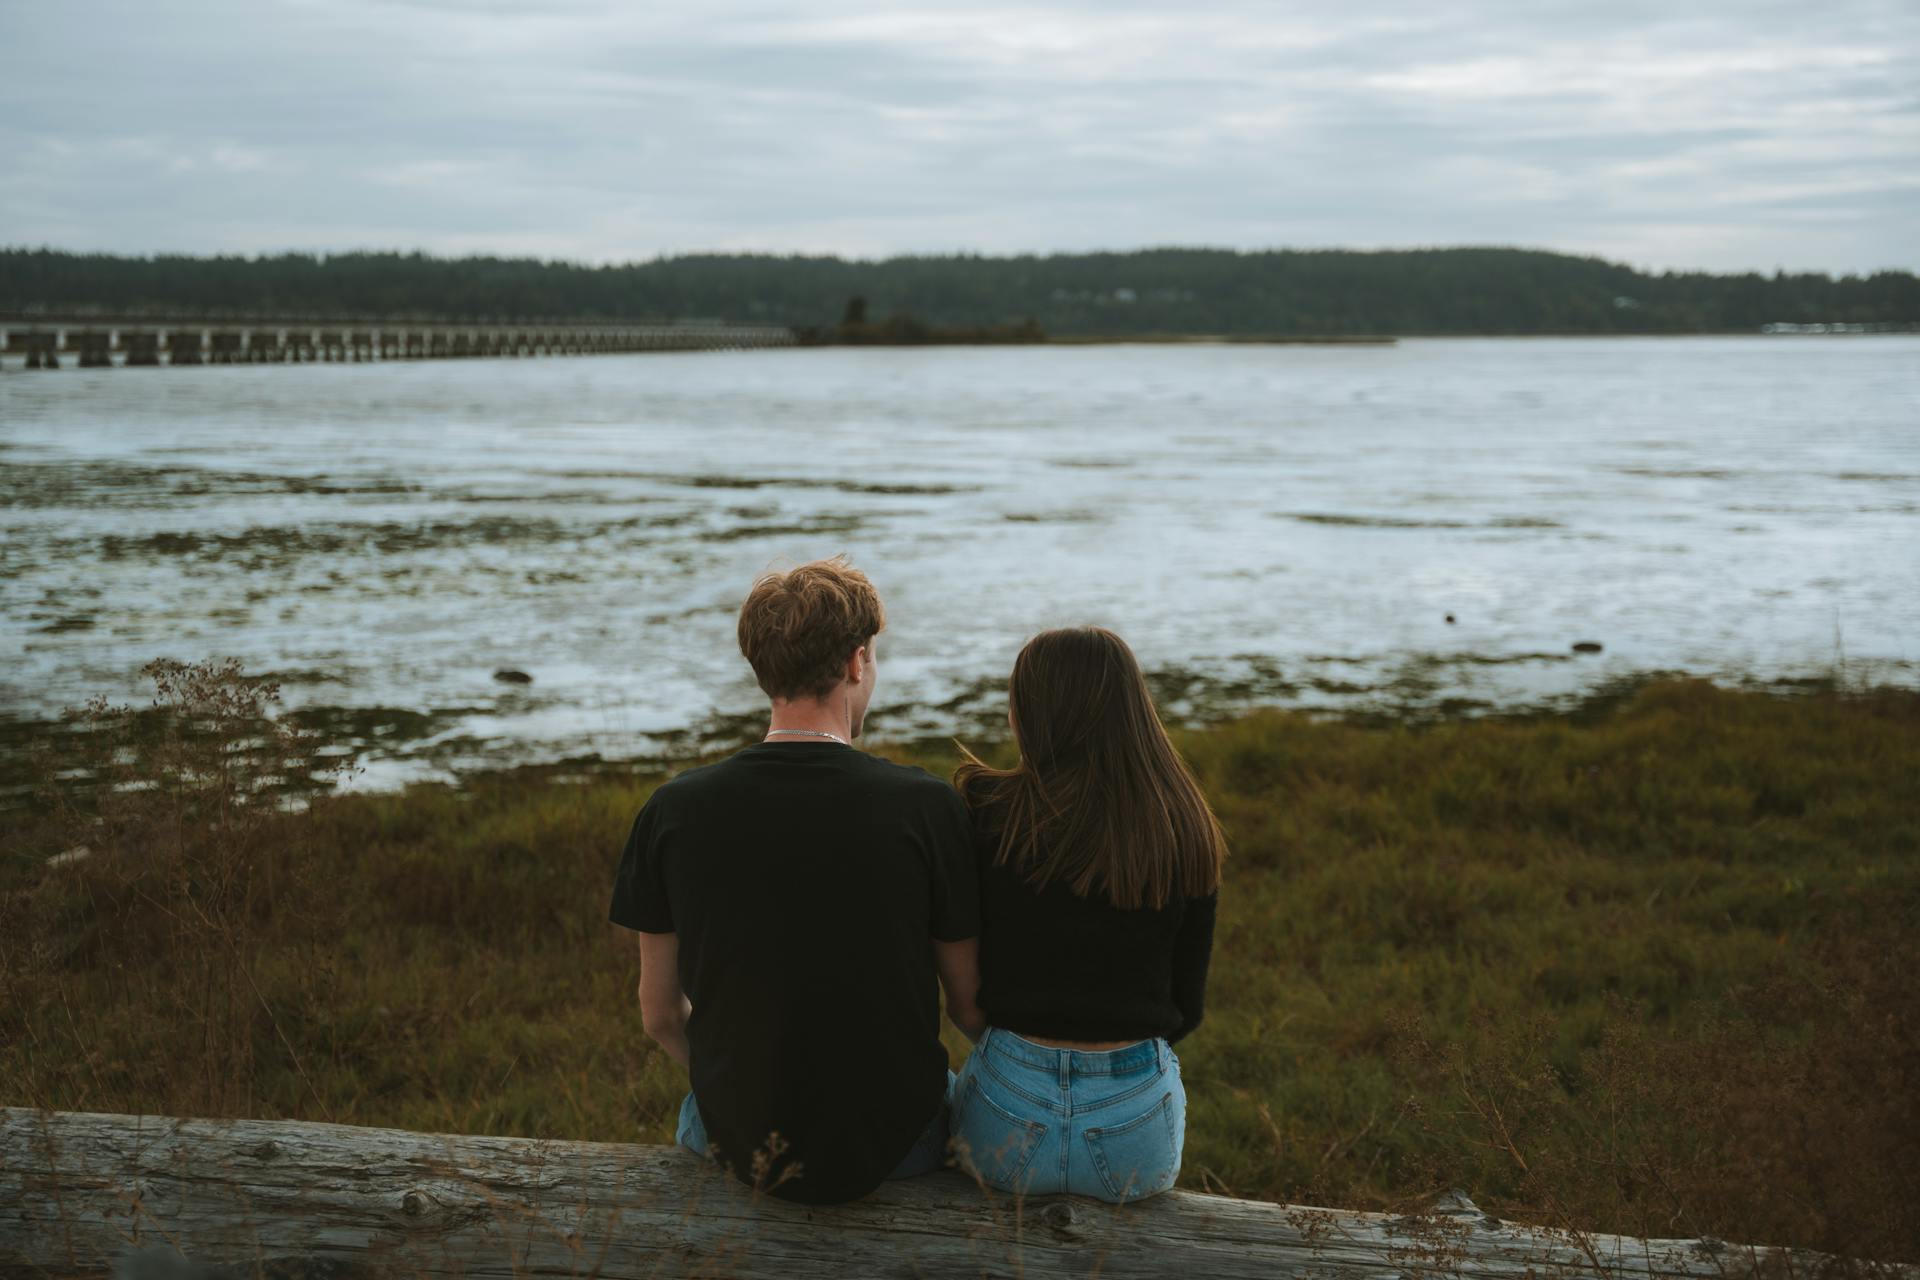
(799, 627)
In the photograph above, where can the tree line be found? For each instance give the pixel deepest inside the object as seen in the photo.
(1150, 291)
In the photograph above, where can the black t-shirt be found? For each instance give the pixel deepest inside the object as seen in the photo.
(1058, 965)
(806, 882)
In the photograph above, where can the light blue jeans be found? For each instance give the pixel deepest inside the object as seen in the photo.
(1036, 1120)
(929, 1149)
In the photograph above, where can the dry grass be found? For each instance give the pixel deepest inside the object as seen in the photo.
(1646, 969)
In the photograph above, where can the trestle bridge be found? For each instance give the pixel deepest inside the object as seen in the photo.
(33, 341)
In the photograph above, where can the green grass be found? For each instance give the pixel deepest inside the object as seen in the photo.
(1647, 967)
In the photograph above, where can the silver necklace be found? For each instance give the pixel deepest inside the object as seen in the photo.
(811, 733)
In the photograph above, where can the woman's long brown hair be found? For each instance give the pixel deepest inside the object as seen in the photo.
(1100, 799)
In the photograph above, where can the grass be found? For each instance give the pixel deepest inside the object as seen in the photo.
(1646, 967)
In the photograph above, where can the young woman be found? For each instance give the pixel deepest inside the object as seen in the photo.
(1099, 874)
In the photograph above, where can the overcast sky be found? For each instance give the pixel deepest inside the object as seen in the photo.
(1726, 134)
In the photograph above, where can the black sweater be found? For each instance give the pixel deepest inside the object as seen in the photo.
(1070, 968)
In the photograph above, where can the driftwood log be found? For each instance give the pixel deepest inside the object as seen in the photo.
(169, 1199)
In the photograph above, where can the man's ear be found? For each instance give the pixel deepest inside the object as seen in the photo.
(857, 665)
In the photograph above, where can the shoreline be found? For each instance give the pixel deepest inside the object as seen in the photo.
(438, 755)
(1221, 339)
(15, 361)
(1578, 708)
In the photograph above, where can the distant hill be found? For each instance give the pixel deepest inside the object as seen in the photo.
(1173, 291)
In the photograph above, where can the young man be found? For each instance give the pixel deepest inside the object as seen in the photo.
(795, 904)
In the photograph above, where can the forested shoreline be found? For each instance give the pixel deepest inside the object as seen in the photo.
(1459, 291)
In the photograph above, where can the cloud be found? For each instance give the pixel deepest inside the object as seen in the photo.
(1724, 135)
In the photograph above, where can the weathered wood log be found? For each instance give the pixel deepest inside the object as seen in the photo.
(82, 1195)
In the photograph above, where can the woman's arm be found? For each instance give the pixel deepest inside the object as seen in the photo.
(1192, 949)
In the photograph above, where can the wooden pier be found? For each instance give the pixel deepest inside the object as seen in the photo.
(103, 342)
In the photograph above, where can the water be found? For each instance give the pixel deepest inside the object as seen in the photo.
(1266, 525)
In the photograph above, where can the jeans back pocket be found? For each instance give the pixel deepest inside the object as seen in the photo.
(991, 1142)
(1138, 1157)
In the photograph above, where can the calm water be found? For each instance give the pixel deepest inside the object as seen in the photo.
(1265, 524)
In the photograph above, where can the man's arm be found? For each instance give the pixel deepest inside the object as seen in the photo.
(664, 1007)
(959, 965)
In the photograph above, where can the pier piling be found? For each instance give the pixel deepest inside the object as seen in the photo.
(184, 347)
